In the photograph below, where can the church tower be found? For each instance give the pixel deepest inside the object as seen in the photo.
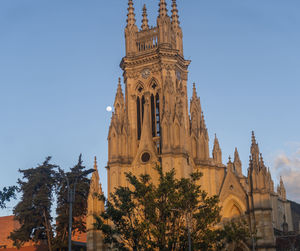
(151, 123)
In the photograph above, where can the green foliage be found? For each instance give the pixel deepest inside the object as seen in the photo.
(33, 211)
(40, 187)
(6, 195)
(150, 216)
(77, 174)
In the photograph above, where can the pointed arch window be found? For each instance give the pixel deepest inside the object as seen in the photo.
(139, 122)
(140, 103)
(157, 115)
(154, 112)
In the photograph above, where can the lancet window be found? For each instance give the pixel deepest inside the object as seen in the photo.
(154, 111)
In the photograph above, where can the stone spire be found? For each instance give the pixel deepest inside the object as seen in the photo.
(163, 9)
(175, 17)
(94, 207)
(254, 151)
(119, 104)
(281, 190)
(131, 31)
(217, 153)
(94, 185)
(237, 163)
(145, 25)
(130, 16)
(194, 91)
(195, 111)
(271, 182)
(164, 26)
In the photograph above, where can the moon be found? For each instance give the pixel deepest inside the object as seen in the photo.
(108, 108)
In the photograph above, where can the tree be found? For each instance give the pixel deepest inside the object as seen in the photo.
(163, 216)
(6, 195)
(78, 174)
(33, 212)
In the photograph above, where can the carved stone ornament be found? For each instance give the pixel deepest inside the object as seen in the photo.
(178, 75)
(145, 73)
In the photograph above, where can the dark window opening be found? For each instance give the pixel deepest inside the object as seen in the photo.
(140, 89)
(139, 125)
(145, 157)
(153, 116)
(140, 115)
(143, 103)
(157, 115)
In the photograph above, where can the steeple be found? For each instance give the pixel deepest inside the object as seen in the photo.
(217, 153)
(237, 163)
(145, 25)
(175, 17)
(162, 9)
(130, 16)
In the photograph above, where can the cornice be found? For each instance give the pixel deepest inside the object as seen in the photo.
(159, 55)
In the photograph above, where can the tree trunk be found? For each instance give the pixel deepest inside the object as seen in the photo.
(48, 232)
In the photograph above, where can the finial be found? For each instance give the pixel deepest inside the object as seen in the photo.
(119, 80)
(253, 138)
(194, 90)
(145, 25)
(163, 8)
(229, 159)
(130, 16)
(95, 163)
(175, 18)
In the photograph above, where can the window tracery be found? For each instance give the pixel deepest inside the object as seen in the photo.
(154, 110)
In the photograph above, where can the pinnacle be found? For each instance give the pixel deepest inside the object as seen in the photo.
(216, 142)
(130, 16)
(194, 91)
(236, 155)
(261, 158)
(163, 8)
(145, 25)
(175, 17)
(253, 138)
(95, 163)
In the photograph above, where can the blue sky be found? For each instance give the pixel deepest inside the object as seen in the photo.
(59, 67)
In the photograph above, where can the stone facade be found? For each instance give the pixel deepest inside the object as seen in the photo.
(154, 123)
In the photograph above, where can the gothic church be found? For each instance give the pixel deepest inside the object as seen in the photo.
(154, 123)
